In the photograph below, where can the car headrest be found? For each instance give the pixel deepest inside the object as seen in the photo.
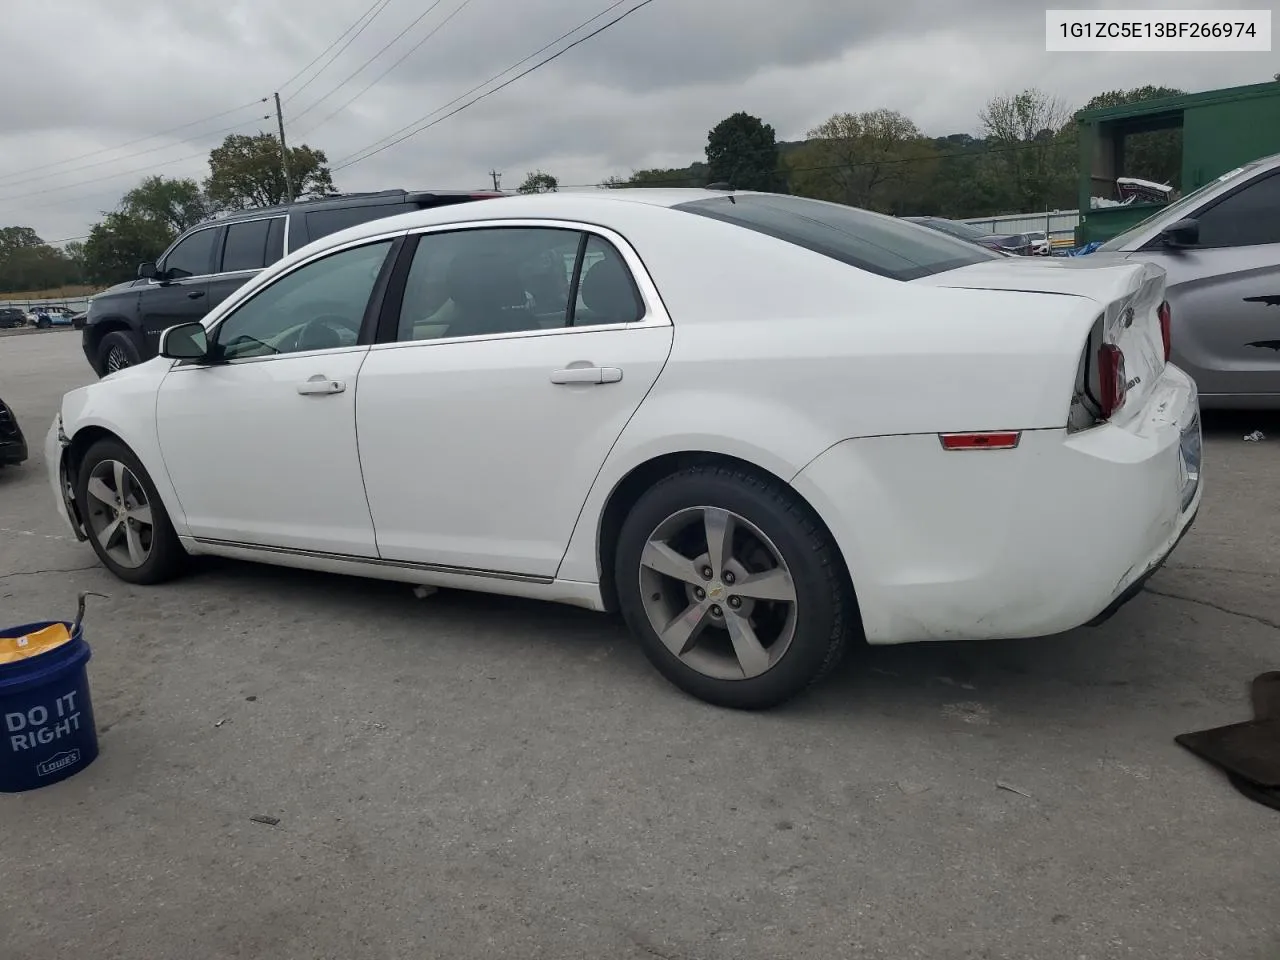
(609, 293)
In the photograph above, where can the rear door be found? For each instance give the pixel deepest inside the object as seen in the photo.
(247, 247)
(505, 374)
(1225, 292)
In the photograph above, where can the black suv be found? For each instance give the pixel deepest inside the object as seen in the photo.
(211, 260)
(12, 317)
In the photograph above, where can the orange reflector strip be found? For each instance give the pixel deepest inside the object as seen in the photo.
(1004, 440)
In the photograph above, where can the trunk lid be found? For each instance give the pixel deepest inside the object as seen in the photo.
(1124, 294)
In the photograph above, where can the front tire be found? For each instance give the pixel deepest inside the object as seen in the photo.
(117, 351)
(733, 586)
(129, 528)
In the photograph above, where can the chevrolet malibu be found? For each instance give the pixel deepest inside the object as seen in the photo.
(758, 426)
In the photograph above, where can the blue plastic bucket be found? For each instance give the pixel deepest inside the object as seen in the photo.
(46, 717)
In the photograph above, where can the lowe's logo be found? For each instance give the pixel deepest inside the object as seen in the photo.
(59, 761)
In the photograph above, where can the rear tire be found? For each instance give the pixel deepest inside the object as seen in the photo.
(117, 351)
(775, 613)
(129, 528)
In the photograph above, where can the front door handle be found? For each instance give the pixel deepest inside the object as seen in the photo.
(321, 385)
(195, 294)
(587, 375)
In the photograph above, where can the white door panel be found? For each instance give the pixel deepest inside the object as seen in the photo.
(480, 453)
(264, 451)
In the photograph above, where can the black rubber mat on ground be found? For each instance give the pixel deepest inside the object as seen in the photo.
(1249, 752)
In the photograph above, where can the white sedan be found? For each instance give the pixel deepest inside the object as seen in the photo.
(759, 426)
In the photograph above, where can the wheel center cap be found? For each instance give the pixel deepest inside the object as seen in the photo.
(715, 591)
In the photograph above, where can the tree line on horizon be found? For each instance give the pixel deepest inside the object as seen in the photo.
(1023, 160)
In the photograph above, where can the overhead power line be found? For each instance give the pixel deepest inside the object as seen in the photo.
(335, 42)
(377, 9)
(350, 100)
(393, 139)
(127, 156)
(151, 136)
(111, 176)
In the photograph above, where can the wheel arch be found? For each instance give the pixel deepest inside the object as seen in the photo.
(89, 433)
(628, 490)
(115, 323)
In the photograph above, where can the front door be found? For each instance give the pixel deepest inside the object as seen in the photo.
(180, 292)
(1225, 292)
(261, 444)
(520, 355)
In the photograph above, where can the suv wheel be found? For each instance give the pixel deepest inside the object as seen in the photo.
(116, 352)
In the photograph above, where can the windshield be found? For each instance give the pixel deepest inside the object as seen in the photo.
(870, 241)
(1120, 241)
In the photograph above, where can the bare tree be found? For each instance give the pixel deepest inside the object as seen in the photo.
(1031, 147)
(863, 159)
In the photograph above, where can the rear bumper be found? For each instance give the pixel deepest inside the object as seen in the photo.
(1054, 534)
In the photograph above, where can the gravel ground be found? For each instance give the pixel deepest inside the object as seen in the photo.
(465, 776)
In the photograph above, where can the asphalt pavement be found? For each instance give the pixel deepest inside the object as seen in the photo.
(465, 776)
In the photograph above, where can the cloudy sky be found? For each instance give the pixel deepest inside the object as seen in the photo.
(100, 74)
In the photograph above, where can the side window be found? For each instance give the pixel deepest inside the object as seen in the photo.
(1244, 219)
(321, 223)
(275, 240)
(320, 306)
(468, 283)
(607, 292)
(245, 247)
(193, 256)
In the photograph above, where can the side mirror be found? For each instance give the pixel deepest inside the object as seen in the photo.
(186, 341)
(147, 271)
(1181, 233)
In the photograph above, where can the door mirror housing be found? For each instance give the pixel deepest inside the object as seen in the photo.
(186, 341)
(1181, 233)
(147, 271)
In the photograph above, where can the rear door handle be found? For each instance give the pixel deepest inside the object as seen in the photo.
(322, 385)
(195, 294)
(587, 375)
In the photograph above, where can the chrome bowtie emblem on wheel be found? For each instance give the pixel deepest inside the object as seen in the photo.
(714, 592)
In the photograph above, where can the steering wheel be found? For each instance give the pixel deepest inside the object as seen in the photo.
(325, 332)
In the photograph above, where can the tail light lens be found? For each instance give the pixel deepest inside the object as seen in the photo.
(1111, 378)
(1166, 329)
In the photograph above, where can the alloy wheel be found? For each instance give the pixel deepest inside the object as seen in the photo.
(119, 514)
(117, 359)
(718, 593)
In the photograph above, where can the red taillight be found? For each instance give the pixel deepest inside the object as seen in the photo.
(1000, 440)
(1166, 329)
(1111, 379)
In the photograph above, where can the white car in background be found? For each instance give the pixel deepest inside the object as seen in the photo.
(760, 426)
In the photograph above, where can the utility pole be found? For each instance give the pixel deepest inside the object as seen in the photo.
(284, 153)
(497, 180)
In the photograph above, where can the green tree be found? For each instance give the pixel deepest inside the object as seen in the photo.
(742, 150)
(245, 172)
(1031, 158)
(539, 182)
(27, 263)
(178, 204)
(120, 242)
(878, 160)
(1153, 154)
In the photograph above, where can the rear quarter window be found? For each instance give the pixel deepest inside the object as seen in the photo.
(882, 245)
(321, 223)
